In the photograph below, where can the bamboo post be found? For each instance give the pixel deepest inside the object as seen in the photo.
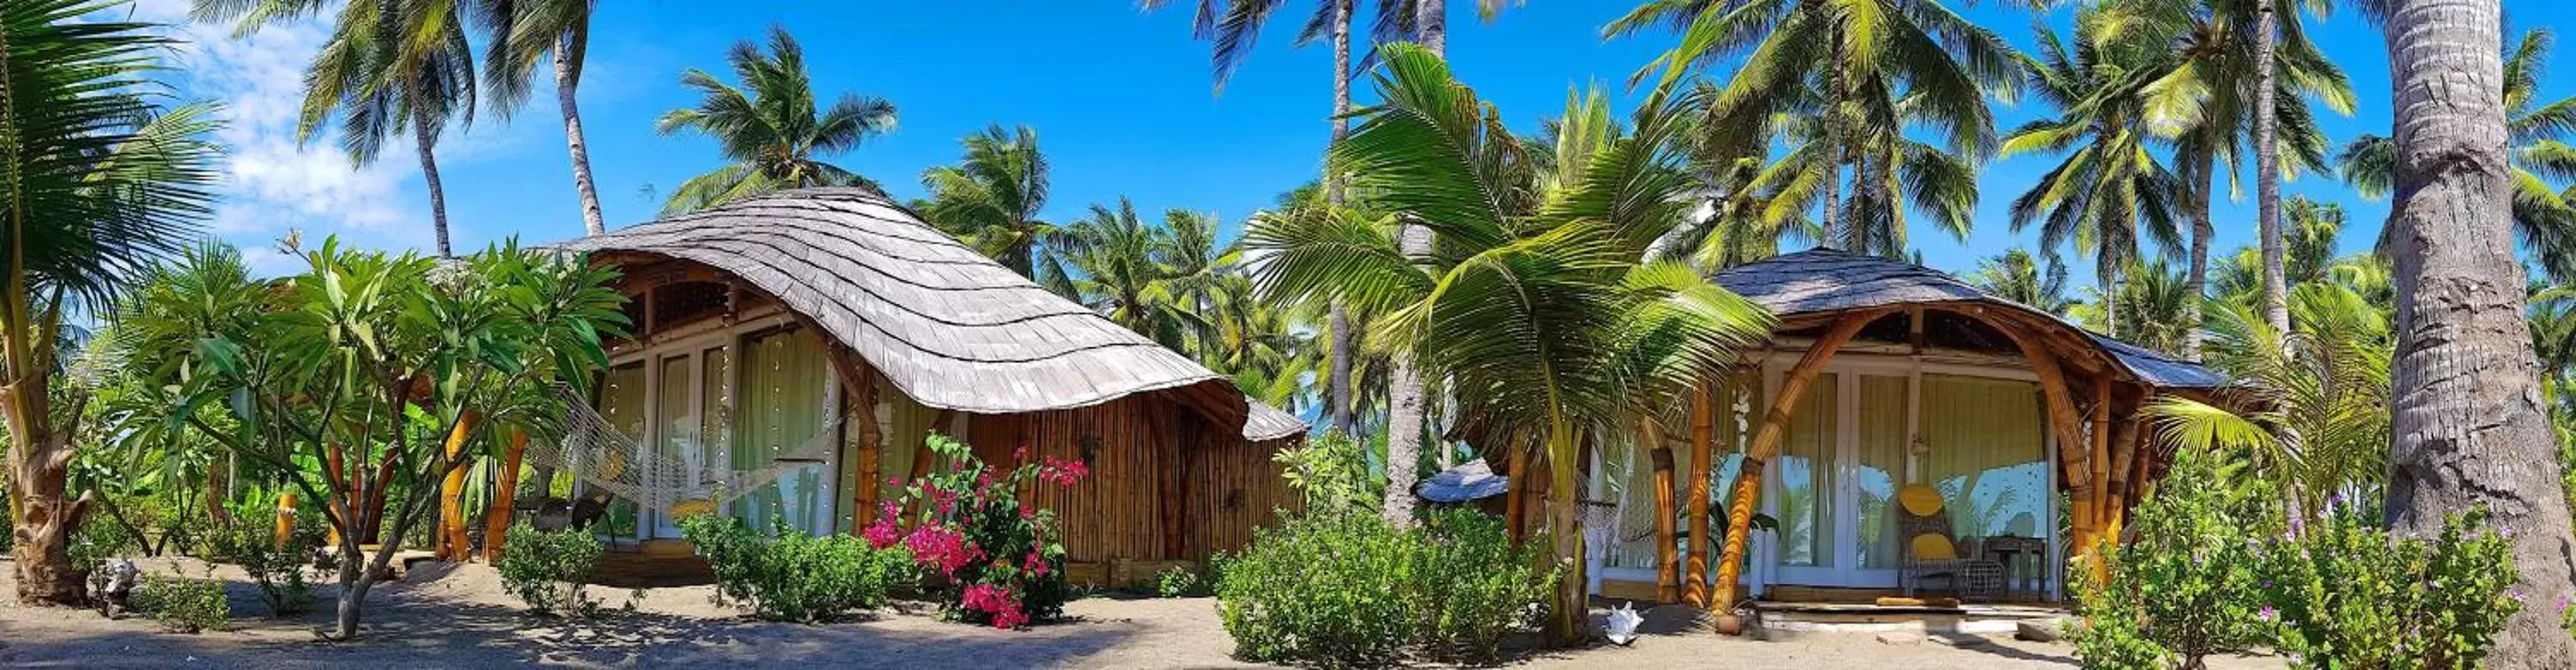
(285, 518)
(505, 498)
(1668, 569)
(1515, 498)
(1703, 446)
(451, 506)
(2097, 492)
(863, 395)
(1766, 443)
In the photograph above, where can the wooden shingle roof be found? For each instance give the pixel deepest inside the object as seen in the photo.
(950, 327)
(1824, 281)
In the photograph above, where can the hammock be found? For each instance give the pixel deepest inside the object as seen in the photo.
(595, 453)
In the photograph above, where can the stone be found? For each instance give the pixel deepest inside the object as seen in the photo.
(2038, 630)
(1961, 640)
(1900, 637)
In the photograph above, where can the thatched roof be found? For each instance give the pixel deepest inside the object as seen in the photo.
(950, 327)
(1825, 281)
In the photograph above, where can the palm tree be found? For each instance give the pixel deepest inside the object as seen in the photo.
(1860, 76)
(990, 201)
(2322, 429)
(2111, 193)
(1539, 302)
(102, 181)
(2202, 94)
(2147, 306)
(2017, 276)
(390, 66)
(2472, 431)
(774, 134)
(2542, 161)
(522, 33)
(1135, 273)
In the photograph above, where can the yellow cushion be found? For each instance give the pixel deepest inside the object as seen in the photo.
(693, 507)
(1919, 500)
(1930, 547)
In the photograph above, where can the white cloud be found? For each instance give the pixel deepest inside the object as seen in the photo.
(275, 183)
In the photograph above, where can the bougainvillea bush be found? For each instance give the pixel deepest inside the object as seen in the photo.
(987, 558)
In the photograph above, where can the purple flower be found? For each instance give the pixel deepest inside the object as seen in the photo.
(2515, 594)
(2267, 614)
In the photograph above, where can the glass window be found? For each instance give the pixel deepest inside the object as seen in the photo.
(1985, 454)
(785, 399)
(1807, 481)
(1881, 466)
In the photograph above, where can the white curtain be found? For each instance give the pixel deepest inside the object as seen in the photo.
(785, 397)
(621, 403)
(1985, 454)
(1807, 481)
(1882, 465)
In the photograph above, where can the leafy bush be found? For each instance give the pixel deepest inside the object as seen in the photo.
(1331, 474)
(1181, 582)
(2350, 597)
(278, 571)
(795, 576)
(2188, 586)
(545, 569)
(1471, 586)
(184, 604)
(998, 561)
(1347, 588)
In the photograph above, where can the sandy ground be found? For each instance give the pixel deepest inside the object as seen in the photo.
(457, 616)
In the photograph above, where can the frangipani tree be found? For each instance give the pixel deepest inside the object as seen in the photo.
(365, 380)
(1535, 306)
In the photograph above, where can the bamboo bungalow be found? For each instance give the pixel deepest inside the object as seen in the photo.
(802, 345)
(1894, 401)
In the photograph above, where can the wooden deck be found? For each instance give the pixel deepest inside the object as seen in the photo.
(1786, 620)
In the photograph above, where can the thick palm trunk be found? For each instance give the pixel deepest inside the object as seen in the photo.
(1431, 22)
(1832, 216)
(2467, 421)
(2198, 282)
(2267, 171)
(45, 514)
(1404, 382)
(427, 140)
(1565, 521)
(1339, 405)
(573, 138)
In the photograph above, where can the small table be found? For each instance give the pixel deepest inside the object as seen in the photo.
(2010, 550)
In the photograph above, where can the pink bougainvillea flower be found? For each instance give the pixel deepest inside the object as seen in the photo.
(881, 534)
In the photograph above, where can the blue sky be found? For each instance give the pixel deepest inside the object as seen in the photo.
(1121, 101)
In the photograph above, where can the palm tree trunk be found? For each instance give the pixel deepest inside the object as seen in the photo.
(43, 512)
(2197, 285)
(1834, 157)
(1338, 403)
(2467, 418)
(427, 139)
(1404, 382)
(1431, 24)
(1565, 522)
(573, 138)
(2267, 171)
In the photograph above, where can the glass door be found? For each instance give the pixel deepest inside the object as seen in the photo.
(1840, 464)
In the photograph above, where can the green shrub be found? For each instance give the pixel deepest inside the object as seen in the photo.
(545, 569)
(2350, 597)
(1348, 589)
(1182, 582)
(2188, 586)
(998, 561)
(795, 576)
(279, 571)
(1471, 586)
(183, 604)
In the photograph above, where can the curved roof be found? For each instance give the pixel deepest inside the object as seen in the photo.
(1825, 280)
(950, 327)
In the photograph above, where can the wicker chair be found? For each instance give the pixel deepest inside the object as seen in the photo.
(1970, 574)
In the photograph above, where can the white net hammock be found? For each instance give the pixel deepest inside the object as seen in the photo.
(596, 453)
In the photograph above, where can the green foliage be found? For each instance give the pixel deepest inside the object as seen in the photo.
(2350, 596)
(546, 569)
(773, 131)
(278, 571)
(1349, 589)
(1331, 473)
(2188, 586)
(183, 604)
(1182, 582)
(794, 576)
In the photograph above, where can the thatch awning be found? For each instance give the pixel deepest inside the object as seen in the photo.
(948, 326)
(1825, 281)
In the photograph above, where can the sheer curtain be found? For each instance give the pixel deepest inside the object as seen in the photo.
(1881, 466)
(621, 403)
(786, 395)
(1807, 477)
(1986, 451)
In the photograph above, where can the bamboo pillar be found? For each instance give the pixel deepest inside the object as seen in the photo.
(1766, 443)
(2124, 447)
(863, 395)
(285, 518)
(505, 498)
(1703, 445)
(1516, 498)
(2098, 461)
(1668, 569)
(451, 527)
